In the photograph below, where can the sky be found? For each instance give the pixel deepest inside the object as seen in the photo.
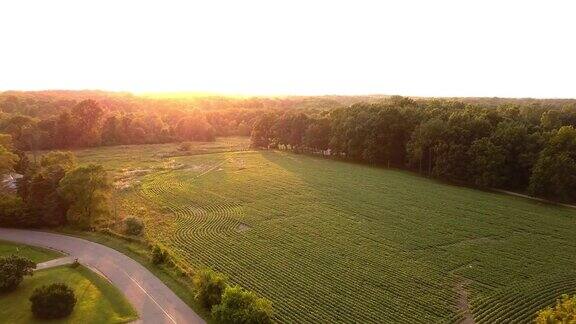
(415, 48)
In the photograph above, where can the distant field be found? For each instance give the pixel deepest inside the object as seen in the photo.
(330, 241)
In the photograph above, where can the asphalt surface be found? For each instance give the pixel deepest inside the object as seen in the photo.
(152, 299)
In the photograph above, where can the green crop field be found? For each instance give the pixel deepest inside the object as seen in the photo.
(331, 241)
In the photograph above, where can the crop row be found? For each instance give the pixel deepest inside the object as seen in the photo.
(345, 243)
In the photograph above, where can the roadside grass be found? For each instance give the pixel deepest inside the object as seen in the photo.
(178, 282)
(33, 253)
(97, 300)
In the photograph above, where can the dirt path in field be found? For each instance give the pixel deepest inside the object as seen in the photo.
(152, 299)
(463, 304)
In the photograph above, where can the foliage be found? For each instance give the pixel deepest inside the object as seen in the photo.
(564, 312)
(194, 128)
(434, 136)
(12, 271)
(87, 189)
(133, 225)
(474, 144)
(554, 174)
(209, 286)
(241, 306)
(487, 163)
(159, 255)
(44, 206)
(12, 211)
(53, 301)
(7, 160)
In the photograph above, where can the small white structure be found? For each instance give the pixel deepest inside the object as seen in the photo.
(10, 181)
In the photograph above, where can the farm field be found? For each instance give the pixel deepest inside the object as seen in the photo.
(331, 241)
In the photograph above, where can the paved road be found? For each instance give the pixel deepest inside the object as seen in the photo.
(154, 302)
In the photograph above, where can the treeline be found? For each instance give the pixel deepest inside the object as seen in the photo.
(53, 191)
(42, 120)
(520, 147)
(89, 123)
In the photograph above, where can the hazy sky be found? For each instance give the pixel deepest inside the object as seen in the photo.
(419, 48)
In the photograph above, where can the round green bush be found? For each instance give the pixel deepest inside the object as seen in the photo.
(53, 301)
(159, 255)
(133, 226)
(12, 271)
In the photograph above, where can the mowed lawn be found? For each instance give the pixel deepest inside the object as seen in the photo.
(33, 253)
(331, 241)
(97, 300)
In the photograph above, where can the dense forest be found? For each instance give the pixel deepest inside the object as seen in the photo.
(525, 145)
(520, 146)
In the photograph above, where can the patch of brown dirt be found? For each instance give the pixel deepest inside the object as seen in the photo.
(463, 304)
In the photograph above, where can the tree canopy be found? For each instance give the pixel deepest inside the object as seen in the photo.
(87, 189)
(563, 312)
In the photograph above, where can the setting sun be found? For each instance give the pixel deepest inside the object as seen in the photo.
(418, 48)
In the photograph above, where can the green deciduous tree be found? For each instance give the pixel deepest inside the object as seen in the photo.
(7, 160)
(239, 306)
(38, 189)
(12, 271)
(487, 163)
(209, 286)
(564, 312)
(317, 135)
(554, 174)
(262, 135)
(12, 211)
(87, 189)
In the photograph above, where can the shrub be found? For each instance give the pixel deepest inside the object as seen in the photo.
(241, 306)
(53, 301)
(133, 226)
(563, 312)
(159, 255)
(209, 286)
(12, 271)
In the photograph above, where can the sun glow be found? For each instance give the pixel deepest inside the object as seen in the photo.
(420, 48)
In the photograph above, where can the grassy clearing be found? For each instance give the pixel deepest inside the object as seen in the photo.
(126, 157)
(97, 300)
(33, 253)
(330, 241)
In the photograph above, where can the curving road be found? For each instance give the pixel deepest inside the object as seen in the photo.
(152, 299)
